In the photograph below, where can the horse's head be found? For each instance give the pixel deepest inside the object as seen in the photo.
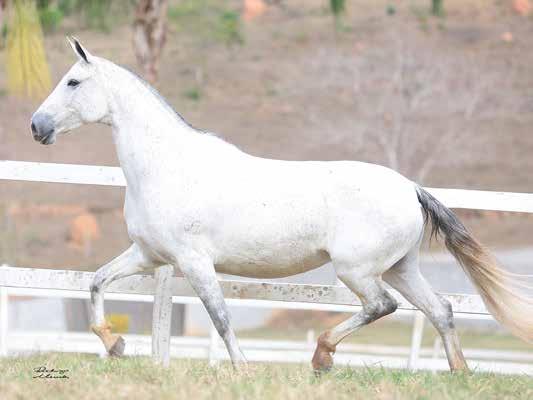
(79, 98)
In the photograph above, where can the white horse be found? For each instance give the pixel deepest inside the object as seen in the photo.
(203, 206)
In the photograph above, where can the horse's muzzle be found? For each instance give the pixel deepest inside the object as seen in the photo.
(42, 128)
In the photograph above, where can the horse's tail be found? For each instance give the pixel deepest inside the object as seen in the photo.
(503, 292)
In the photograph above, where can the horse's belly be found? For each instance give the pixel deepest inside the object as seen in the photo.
(272, 264)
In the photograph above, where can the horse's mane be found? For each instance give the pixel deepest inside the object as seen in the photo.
(167, 106)
(159, 97)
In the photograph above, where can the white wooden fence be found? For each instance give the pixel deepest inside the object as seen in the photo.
(164, 286)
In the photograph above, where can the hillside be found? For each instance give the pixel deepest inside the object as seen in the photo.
(297, 88)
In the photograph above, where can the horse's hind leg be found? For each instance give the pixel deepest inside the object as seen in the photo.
(405, 277)
(377, 302)
(128, 263)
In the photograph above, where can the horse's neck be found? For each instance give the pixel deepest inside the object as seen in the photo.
(148, 137)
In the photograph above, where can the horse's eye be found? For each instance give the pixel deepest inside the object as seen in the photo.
(73, 83)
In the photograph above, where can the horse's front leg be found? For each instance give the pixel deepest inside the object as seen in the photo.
(128, 263)
(200, 272)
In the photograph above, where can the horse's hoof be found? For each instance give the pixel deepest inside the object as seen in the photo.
(322, 365)
(117, 350)
(321, 371)
(322, 359)
(458, 364)
(242, 368)
(461, 370)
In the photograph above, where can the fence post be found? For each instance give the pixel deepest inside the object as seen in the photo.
(162, 315)
(4, 319)
(416, 340)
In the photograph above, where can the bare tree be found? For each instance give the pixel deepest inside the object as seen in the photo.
(437, 7)
(2, 10)
(419, 106)
(149, 35)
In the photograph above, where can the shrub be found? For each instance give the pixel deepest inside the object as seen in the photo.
(337, 7)
(50, 18)
(208, 20)
(228, 27)
(3, 35)
(67, 7)
(96, 13)
(193, 94)
(437, 7)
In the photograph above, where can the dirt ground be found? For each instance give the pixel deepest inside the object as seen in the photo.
(286, 92)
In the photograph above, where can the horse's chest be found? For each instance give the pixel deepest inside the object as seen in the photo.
(158, 225)
(145, 222)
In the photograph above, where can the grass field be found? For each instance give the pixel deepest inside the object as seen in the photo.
(90, 377)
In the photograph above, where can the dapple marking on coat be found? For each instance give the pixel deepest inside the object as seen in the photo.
(204, 206)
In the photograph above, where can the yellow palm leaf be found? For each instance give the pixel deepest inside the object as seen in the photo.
(27, 69)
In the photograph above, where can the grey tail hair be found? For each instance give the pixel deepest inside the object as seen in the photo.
(506, 295)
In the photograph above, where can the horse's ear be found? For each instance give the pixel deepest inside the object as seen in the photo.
(80, 51)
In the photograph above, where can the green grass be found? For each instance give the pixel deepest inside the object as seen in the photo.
(136, 378)
(211, 21)
(193, 94)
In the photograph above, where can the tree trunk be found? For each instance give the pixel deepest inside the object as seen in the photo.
(149, 35)
(437, 7)
(2, 11)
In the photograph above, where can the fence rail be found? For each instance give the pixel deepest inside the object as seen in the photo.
(113, 176)
(233, 289)
(164, 286)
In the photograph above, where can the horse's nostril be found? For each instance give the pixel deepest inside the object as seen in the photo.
(33, 128)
